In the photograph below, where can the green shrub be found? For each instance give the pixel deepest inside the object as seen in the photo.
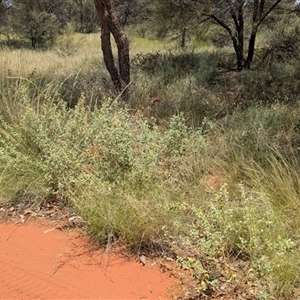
(39, 27)
(236, 239)
(283, 41)
(68, 44)
(103, 158)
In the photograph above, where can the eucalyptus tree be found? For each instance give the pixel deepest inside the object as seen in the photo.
(241, 19)
(175, 19)
(132, 11)
(82, 13)
(37, 21)
(110, 27)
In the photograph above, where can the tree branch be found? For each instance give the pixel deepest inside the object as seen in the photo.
(268, 11)
(220, 22)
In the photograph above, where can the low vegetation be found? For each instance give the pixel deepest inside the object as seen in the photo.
(201, 165)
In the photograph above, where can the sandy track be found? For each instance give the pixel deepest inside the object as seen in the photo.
(36, 263)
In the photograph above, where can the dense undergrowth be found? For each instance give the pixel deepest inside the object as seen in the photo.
(201, 165)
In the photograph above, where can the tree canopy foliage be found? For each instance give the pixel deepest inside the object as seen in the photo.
(40, 21)
(83, 14)
(38, 25)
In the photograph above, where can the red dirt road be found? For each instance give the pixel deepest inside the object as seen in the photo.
(39, 263)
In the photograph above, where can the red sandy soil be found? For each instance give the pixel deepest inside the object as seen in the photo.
(39, 262)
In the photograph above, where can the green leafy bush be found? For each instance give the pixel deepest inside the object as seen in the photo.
(283, 41)
(39, 27)
(68, 44)
(237, 241)
(106, 162)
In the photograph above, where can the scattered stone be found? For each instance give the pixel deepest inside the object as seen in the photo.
(28, 207)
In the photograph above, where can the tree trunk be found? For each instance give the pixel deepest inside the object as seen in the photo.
(33, 42)
(183, 38)
(110, 25)
(251, 48)
(81, 17)
(238, 49)
(237, 35)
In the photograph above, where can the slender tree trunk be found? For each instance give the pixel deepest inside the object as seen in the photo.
(251, 49)
(240, 58)
(239, 53)
(108, 57)
(110, 25)
(257, 18)
(183, 38)
(122, 44)
(237, 35)
(240, 31)
(33, 42)
(81, 17)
